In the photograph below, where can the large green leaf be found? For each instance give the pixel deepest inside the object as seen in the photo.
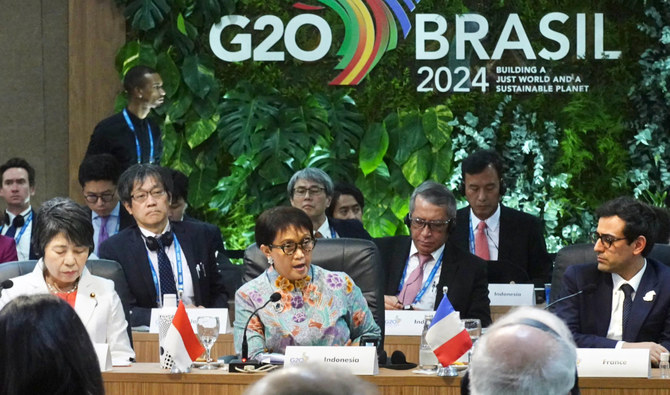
(199, 131)
(443, 164)
(201, 183)
(418, 166)
(345, 123)
(373, 147)
(170, 138)
(198, 76)
(180, 104)
(409, 135)
(147, 14)
(169, 72)
(435, 123)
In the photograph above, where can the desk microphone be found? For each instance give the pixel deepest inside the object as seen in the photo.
(586, 290)
(242, 362)
(5, 285)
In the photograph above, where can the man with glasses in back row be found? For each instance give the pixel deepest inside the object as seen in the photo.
(311, 190)
(418, 268)
(626, 299)
(98, 175)
(160, 257)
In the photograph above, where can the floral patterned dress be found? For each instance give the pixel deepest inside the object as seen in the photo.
(323, 309)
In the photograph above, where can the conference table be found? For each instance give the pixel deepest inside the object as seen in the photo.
(150, 379)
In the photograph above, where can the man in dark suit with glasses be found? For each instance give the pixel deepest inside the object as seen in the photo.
(418, 267)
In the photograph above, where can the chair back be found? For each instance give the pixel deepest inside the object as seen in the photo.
(357, 257)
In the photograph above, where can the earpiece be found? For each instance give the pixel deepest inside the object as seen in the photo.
(152, 242)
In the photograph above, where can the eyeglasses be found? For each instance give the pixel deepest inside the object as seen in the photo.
(93, 198)
(307, 245)
(607, 240)
(141, 196)
(313, 191)
(433, 226)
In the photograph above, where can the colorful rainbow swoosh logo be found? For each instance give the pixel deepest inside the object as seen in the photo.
(370, 31)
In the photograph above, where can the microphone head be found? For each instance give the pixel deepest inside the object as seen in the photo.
(275, 297)
(589, 288)
(6, 284)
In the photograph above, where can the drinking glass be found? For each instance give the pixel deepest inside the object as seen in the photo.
(208, 331)
(474, 328)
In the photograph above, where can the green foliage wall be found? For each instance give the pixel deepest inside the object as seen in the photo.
(239, 130)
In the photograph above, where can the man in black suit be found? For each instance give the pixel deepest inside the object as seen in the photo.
(159, 257)
(98, 175)
(628, 303)
(418, 268)
(17, 187)
(494, 232)
(131, 136)
(311, 190)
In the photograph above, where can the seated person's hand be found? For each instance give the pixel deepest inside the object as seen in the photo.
(655, 350)
(392, 303)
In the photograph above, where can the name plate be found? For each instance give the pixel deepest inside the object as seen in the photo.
(611, 362)
(358, 360)
(512, 294)
(405, 322)
(193, 314)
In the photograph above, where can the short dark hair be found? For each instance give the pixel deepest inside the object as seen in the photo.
(343, 188)
(640, 219)
(101, 167)
(134, 77)
(480, 160)
(139, 172)
(63, 215)
(277, 219)
(179, 185)
(663, 224)
(22, 164)
(45, 349)
(436, 194)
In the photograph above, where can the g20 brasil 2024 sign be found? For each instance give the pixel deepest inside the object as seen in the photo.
(371, 30)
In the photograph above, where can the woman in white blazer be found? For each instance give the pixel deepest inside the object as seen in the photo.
(64, 239)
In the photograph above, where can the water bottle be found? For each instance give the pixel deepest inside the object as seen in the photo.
(427, 358)
(664, 365)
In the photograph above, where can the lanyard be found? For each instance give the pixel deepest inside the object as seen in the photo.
(137, 140)
(180, 274)
(472, 239)
(17, 238)
(333, 234)
(428, 282)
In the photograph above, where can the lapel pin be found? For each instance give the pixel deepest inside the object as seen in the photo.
(649, 296)
(92, 294)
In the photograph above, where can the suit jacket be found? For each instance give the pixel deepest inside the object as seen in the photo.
(7, 250)
(521, 241)
(350, 228)
(97, 305)
(32, 252)
(588, 315)
(462, 272)
(128, 248)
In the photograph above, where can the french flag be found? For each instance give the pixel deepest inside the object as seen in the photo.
(447, 336)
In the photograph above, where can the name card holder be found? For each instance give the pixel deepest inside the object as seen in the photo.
(611, 362)
(358, 360)
(193, 314)
(405, 322)
(512, 294)
(104, 356)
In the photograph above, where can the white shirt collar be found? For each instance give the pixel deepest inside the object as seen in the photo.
(24, 214)
(325, 230)
(147, 233)
(436, 254)
(492, 222)
(634, 282)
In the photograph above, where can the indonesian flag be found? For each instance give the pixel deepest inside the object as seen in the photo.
(447, 336)
(180, 345)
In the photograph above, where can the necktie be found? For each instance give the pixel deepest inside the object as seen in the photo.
(627, 306)
(414, 282)
(103, 235)
(481, 244)
(17, 223)
(165, 269)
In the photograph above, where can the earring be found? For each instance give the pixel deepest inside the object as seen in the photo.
(271, 261)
